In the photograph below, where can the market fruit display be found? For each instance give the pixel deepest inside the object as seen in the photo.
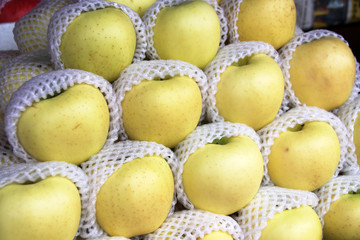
(178, 119)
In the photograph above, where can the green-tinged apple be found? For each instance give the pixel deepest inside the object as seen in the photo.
(293, 224)
(356, 137)
(342, 221)
(223, 176)
(69, 127)
(217, 235)
(139, 6)
(251, 91)
(304, 157)
(136, 198)
(163, 111)
(322, 72)
(47, 209)
(189, 32)
(273, 21)
(102, 41)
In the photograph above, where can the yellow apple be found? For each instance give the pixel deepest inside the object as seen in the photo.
(163, 111)
(322, 72)
(273, 21)
(70, 127)
(304, 157)
(223, 176)
(47, 209)
(293, 224)
(217, 235)
(251, 91)
(189, 31)
(102, 41)
(139, 6)
(342, 221)
(356, 137)
(136, 198)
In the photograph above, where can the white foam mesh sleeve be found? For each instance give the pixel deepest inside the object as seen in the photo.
(30, 32)
(231, 12)
(300, 115)
(267, 202)
(50, 84)
(154, 69)
(332, 190)
(226, 56)
(150, 17)
(6, 55)
(101, 165)
(286, 55)
(7, 156)
(195, 224)
(19, 70)
(109, 238)
(201, 136)
(33, 172)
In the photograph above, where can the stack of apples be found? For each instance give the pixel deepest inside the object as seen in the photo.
(178, 119)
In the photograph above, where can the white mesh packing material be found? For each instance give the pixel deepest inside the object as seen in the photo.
(226, 56)
(19, 70)
(7, 156)
(195, 224)
(30, 32)
(267, 202)
(65, 16)
(109, 238)
(6, 55)
(231, 12)
(300, 115)
(286, 55)
(201, 136)
(150, 17)
(50, 84)
(33, 172)
(101, 165)
(154, 69)
(332, 190)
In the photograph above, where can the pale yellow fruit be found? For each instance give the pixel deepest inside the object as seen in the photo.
(222, 178)
(217, 235)
(342, 221)
(70, 127)
(273, 21)
(102, 41)
(162, 111)
(322, 72)
(356, 137)
(136, 198)
(305, 157)
(48, 209)
(251, 91)
(139, 6)
(293, 224)
(189, 32)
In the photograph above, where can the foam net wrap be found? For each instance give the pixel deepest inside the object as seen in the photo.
(286, 55)
(33, 172)
(6, 55)
(194, 224)
(267, 202)
(100, 166)
(300, 115)
(226, 56)
(150, 17)
(231, 11)
(7, 157)
(49, 84)
(332, 190)
(153, 69)
(201, 136)
(62, 18)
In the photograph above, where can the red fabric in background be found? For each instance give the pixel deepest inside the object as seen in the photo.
(15, 9)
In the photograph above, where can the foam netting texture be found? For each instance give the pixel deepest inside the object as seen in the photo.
(286, 55)
(65, 16)
(201, 136)
(33, 172)
(226, 56)
(6, 55)
(195, 224)
(109, 238)
(30, 32)
(101, 165)
(150, 17)
(300, 115)
(332, 190)
(153, 69)
(19, 70)
(231, 11)
(7, 156)
(49, 84)
(267, 202)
